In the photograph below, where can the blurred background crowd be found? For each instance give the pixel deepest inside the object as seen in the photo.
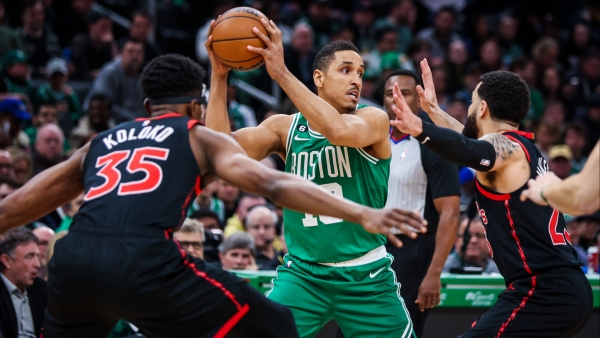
(71, 69)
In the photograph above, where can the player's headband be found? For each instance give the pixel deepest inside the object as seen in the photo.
(180, 99)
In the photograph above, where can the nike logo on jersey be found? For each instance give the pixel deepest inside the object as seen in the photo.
(425, 140)
(372, 275)
(301, 139)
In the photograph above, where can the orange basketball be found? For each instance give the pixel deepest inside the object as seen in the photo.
(233, 32)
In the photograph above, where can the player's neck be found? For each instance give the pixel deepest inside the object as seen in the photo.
(165, 109)
(498, 127)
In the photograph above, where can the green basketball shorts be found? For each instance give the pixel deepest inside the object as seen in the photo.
(363, 299)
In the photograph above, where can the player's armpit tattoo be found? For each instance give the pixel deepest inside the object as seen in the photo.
(503, 146)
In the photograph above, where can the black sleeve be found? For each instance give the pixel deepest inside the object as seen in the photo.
(457, 148)
(442, 176)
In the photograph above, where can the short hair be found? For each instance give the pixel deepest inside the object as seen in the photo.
(506, 94)
(449, 9)
(37, 107)
(519, 63)
(131, 40)
(578, 128)
(103, 98)
(327, 54)
(191, 226)
(8, 180)
(416, 45)
(12, 239)
(238, 240)
(382, 31)
(172, 75)
(274, 216)
(206, 213)
(143, 13)
(405, 72)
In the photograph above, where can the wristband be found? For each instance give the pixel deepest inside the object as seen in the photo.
(542, 194)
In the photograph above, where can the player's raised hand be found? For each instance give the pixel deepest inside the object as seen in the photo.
(384, 220)
(534, 190)
(273, 52)
(427, 95)
(405, 121)
(218, 67)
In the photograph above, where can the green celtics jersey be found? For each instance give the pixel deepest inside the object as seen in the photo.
(347, 172)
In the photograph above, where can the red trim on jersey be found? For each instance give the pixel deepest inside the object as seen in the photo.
(491, 195)
(186, 204)
(522, 146)
(232, 321)
(514, 313)
(514, 234)
(525, 134)
(159, 117)
(397, 140)
(192, 123)
(197, 186)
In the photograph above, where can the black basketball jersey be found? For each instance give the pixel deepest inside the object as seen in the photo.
(524, 238)
(140, 174)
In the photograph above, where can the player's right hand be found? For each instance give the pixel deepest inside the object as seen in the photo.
(218, 67)
(384, 220)
(427, 96)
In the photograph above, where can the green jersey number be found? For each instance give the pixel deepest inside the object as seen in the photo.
(311, 221)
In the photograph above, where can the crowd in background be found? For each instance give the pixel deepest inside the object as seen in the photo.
(69, 71)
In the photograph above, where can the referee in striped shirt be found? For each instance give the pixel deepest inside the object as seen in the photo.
(420, 180)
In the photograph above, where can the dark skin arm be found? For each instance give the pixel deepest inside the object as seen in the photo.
(429, 291)
(45, 192)
(218, 155)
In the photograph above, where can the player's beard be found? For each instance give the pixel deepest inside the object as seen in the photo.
(471, 130)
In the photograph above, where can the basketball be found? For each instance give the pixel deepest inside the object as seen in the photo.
(232, 33)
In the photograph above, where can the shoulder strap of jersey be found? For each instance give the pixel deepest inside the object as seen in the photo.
(290, 137)
(525, 140)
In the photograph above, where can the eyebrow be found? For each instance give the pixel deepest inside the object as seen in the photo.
(344, 63)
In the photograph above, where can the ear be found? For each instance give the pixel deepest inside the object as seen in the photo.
(147, 107)
(318, 78)
(484, 110)
(5, 259)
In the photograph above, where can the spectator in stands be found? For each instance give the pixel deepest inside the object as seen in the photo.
(554, 112)
(9, 38)
(507, 31)
(22, 165)
(560, 161)
(221, 6)
(48, 148)
(476, 253)
(235, 223)
(240, 115)
(92, 50)
(56, 91)
(6, 167)
(23, 294)
(386, 40)
(120, 82)
(74, 22)
(418, 50)
(442, 33)
(402, 17)
(44, 235)
(300, 55)
(206, 201)
(260, 223)
(46, 113)
(580, 41)
(575, 228)
(545, 53)
(70, 209)
(546, 134)
(97, 119)
(190, 237)
(526, 69)
(591, 226)
(16, 73)
(12, 113)
(319, 18)
(272, 10)
(576, 140)
(439, 80)
(7, 187)
(140, 29)
(588, 79)
(229, 195)
(40, 42)
(363, 18)
(456, 65)
(237, 252)
(208, 218)
(458, 110)
(551, 85)
(490, 58)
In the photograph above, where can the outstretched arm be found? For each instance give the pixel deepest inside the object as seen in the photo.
(429, 102)
(43, 193)
(228, 161)
(364, 128)
(576, 195)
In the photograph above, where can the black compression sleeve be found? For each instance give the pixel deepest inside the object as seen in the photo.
(457, 148)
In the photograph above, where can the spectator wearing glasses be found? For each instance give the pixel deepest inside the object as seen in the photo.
(476, 253)
(260, 223)
(21, 164)
(190, 237)
(44, 235)
(7, 187)
(6, 168)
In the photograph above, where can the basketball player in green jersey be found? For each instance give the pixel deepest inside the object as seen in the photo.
(334, 269)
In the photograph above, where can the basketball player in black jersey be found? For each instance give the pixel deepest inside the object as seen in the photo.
(547, 293)
(119, 259)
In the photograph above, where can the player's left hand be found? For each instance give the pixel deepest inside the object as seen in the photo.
(382, 221)
(406, 121)
(218, 67)
(273, 52)
(536, 186)
(429, 292)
